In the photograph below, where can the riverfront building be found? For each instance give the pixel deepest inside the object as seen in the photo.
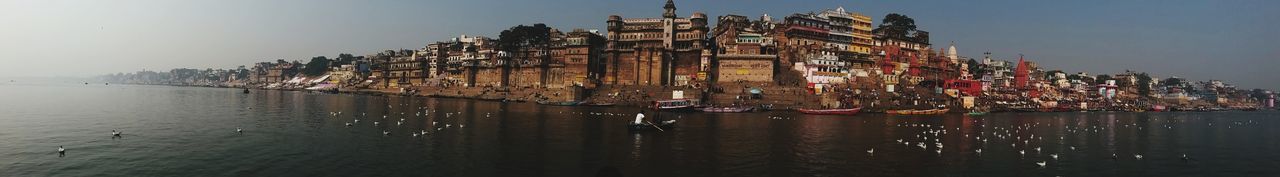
(655, 51)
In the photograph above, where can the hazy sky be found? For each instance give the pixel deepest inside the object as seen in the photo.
(1233, 40)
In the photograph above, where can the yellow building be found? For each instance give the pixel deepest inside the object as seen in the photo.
(851, 29)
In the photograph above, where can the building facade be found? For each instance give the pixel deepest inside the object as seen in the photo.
(655, 51)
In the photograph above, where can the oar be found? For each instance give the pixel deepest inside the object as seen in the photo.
(655, 126)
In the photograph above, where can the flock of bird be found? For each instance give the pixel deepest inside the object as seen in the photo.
(927, 137)
(421, 113)
(1021, 139)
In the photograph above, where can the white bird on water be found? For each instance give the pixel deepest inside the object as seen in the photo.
(1137, 156)
(61, 150)
(115, 133)
(1022, 152)
(239, 130)
(978, 150)
(348, 124)
(375, 123)
(1055, 156)
(1041, 164)
(384, 132)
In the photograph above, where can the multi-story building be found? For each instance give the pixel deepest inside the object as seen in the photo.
(457, 62)
(406, 68)
(281, 72)
(581, 54)
(655, 51)
(850, 31)
(745, 50)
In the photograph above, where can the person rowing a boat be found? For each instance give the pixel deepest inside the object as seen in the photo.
(639, 118)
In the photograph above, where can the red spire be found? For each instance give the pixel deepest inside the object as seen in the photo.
(1020, 77)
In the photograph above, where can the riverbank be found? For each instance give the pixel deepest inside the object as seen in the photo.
(770, 96)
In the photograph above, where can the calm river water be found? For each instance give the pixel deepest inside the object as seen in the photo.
(186, 131)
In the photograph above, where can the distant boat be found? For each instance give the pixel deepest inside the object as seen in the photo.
(918, 112)
(830, 111)
(731, 109)
(560, 103)
(596, 104)
(1157, 108)
(977, 113)
(673, 104)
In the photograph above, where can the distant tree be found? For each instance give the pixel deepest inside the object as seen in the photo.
(977, 68)
(318, 66)
(1102, 79)
(1049, 76)
(1074, 77)
(897, 25)
(1144, 84)
(1172, 81)
(343, 59)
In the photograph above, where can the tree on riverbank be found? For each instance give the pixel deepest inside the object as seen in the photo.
(1144, 84)
(318, 66)
(897, 25)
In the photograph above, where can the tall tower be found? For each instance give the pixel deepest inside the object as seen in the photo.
(671, 10)
(668, 54)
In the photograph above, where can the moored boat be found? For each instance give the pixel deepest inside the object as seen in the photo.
(918, 112)
(673, 104)
(585, 103)
(559, 103)
(731, 109)
(977, 113)
(851, 111)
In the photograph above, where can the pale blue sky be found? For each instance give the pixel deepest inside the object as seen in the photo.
(1232, 40)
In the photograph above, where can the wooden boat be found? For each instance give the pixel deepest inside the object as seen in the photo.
(918, 112)
(830, 111)
(977, 113)
(728, 109)
(673, 104)
(559, 103)
(1158, 108)
(596, 104)
(662, 126)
